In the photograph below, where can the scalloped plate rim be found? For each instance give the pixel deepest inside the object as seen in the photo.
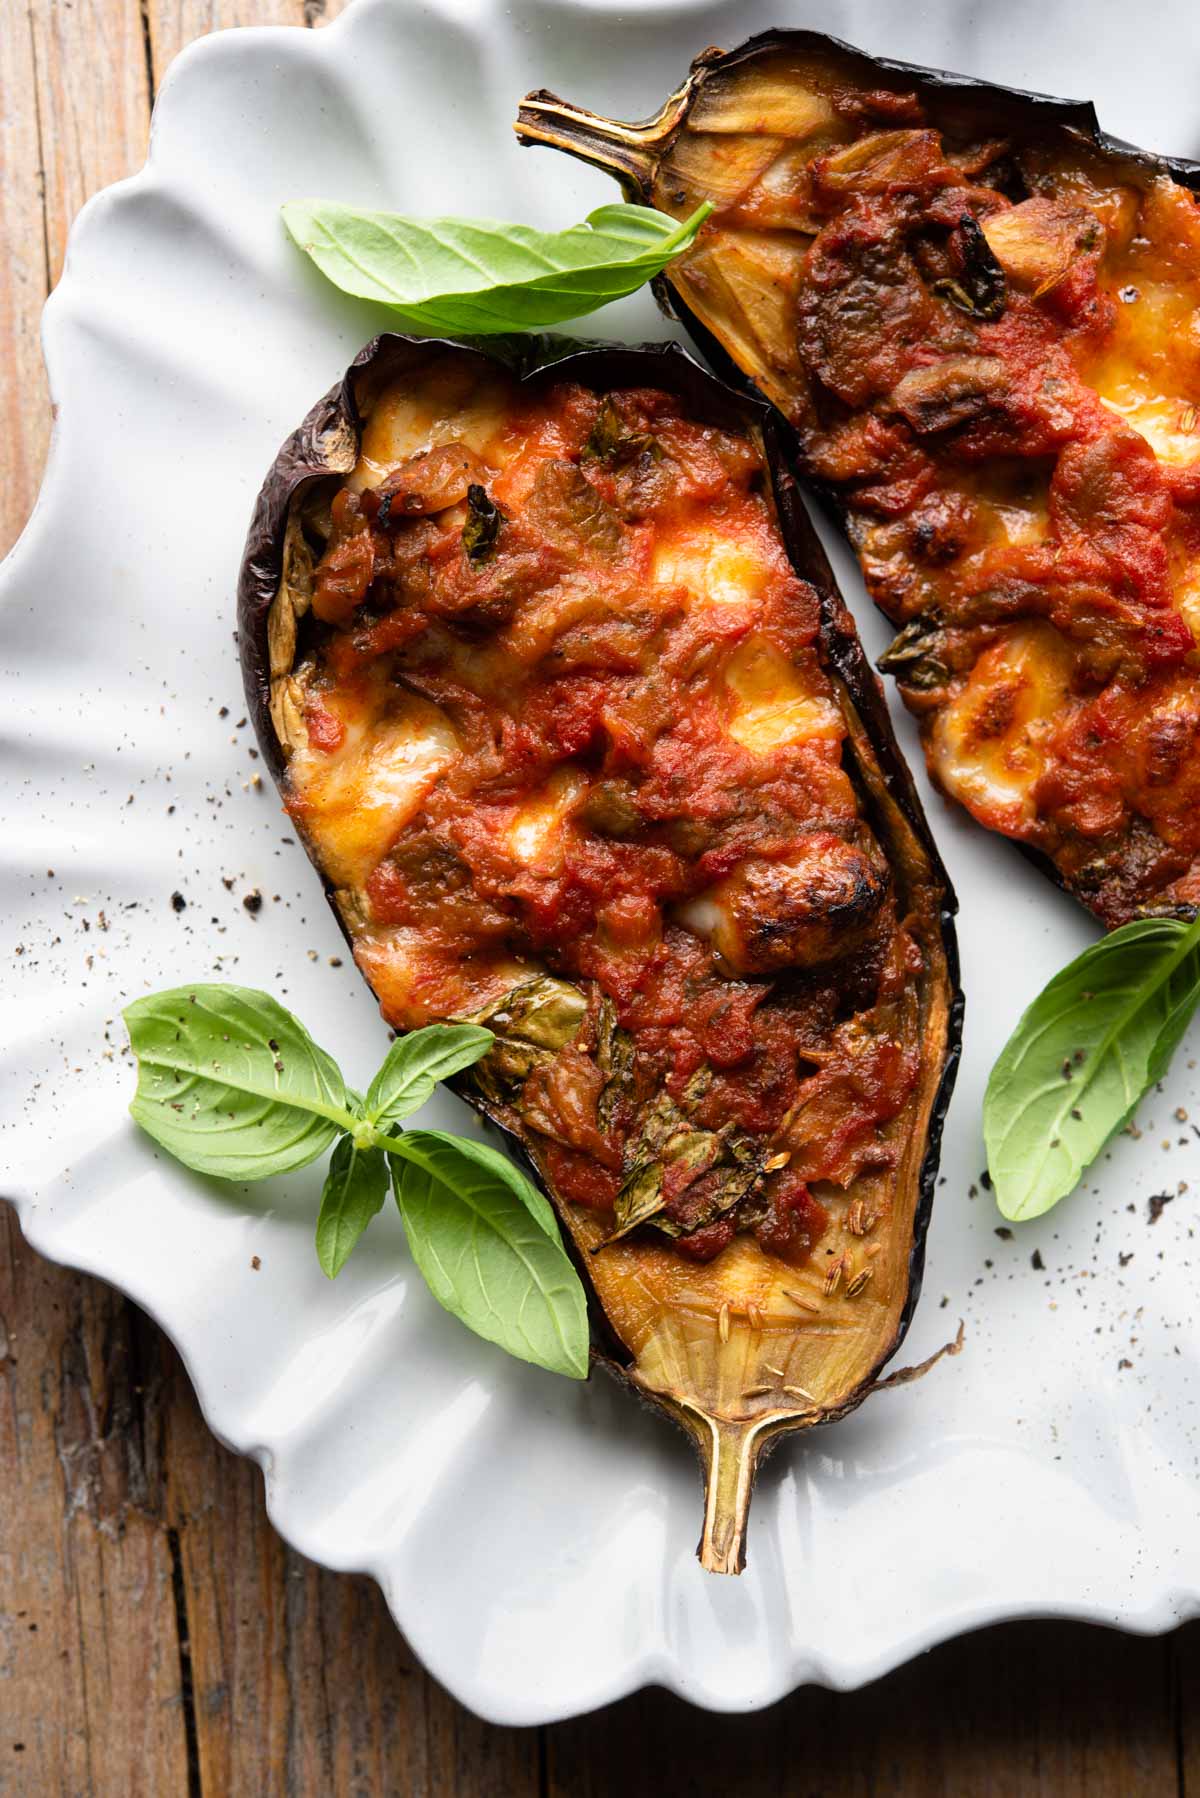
(1167, 1612)
(1169, 1606)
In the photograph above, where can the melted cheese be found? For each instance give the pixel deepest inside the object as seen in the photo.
(1149, 369)
(773, 706)
(404, 969)
(357, 798)
(455, 401)
(1169, 425)
(1019, 525)
(535, 834)
(986, 744)
(720, 572)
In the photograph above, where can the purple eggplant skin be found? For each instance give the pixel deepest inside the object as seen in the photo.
(324, 449)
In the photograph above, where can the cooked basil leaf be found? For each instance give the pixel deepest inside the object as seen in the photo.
(485, 1253)
(482, 527)
(416, 1062)
(355, 1188)
(230, 1083)
(983, 289)
(1092, 1043)
(546, 1012)
(478, 275)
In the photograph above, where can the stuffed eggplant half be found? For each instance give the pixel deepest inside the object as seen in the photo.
(982, 319)
(558, 692)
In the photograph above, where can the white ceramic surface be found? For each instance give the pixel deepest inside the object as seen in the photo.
(534, 1537)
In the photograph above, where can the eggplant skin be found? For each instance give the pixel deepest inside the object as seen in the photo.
(1135, 853)
(325, 447)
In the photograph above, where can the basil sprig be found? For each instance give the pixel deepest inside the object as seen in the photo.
(231, 1084)
(481, 276)
(1093, 1042)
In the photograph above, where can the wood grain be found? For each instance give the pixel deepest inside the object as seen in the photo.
(76, 90)
(156, 1636)
(77, 80)
(93, 103)
(87, 1610)
(1023, 1711)
(24, 276)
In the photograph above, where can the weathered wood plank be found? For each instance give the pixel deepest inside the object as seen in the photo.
(74, 117)
(1185, 1694)
(1044, 1710)
(93, 89)
(24, 278)
(76, 81)
(156, 1636)
(90, 1688)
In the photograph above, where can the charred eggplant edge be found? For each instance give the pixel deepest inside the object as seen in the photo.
(325, 445)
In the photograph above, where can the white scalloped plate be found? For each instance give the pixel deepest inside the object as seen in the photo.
(534, 1538)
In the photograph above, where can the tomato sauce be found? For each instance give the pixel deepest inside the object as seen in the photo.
(625, 665)
(991, 353)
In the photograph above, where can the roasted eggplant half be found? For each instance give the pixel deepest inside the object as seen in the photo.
(563, 703)
(981, 318)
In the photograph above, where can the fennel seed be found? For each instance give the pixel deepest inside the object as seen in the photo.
(800, 1298)
(723, 1323)
(855, 1286)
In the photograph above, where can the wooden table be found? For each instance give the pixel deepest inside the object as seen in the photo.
(155, 1635)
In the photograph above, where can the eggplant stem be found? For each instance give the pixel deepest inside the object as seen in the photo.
(631, 151)
(729, 1453)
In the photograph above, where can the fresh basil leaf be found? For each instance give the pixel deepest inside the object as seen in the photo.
(486, 1256)
(416, 1062)
(231, 1084)
(1092, 1043)
(1183, 1001)
(478, 275)
(425, 1146)
(355, 1188)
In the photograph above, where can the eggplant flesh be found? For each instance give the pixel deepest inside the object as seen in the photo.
(980, 317)
(547, 662)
